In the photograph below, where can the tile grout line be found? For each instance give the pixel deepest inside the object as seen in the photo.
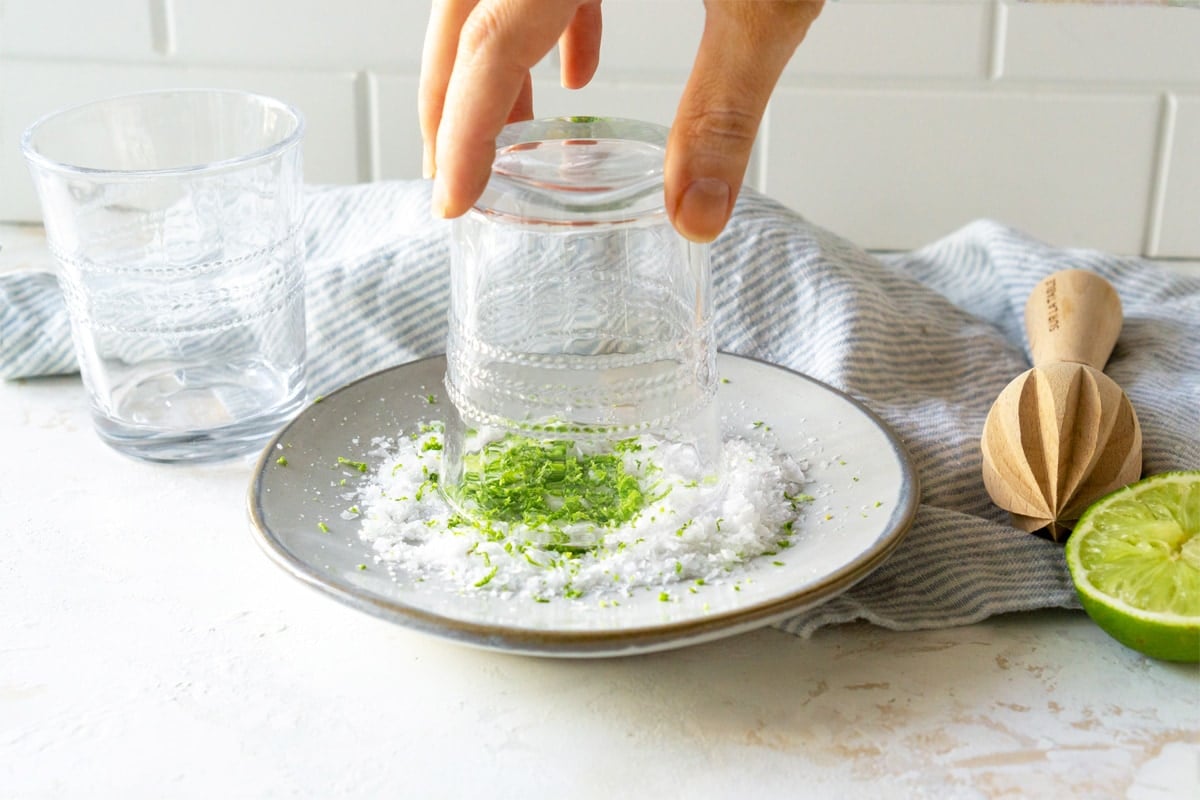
(761, 150)
(999, 37)
(162, 26)
(1152, 236)
(366, 124)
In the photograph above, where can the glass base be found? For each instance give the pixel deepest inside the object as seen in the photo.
(196, 446)
(197, 413)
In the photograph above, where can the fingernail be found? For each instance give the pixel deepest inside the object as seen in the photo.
(438, 203)
(703, 210)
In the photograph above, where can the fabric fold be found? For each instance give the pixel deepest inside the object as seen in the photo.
(926, 339)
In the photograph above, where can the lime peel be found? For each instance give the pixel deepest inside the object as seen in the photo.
(549, 484)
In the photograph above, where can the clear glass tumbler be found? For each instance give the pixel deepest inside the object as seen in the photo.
(175, 220)
(577, 313)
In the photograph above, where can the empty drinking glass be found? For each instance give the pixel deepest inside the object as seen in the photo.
(174, 217)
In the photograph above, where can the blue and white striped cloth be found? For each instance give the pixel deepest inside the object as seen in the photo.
(926, 339)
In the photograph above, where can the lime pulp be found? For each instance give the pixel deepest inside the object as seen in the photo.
(1134, 557)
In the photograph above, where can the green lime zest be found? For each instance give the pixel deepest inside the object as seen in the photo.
(799, 497)
(430, 482)
(361, 466)
(549, 484)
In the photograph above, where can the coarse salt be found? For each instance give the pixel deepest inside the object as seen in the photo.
(697, 532)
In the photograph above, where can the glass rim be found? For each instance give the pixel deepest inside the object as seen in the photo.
(541, 129)
(531, 198)
(35, 157)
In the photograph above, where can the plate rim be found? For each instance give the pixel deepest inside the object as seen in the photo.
(596, 642)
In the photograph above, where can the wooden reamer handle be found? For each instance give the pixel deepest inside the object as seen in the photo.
(1073, 316)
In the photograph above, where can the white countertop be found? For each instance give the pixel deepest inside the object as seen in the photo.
(149, 649)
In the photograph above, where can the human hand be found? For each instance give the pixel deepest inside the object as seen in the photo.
(475, 79)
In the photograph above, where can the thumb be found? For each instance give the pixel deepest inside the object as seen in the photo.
(745, 46)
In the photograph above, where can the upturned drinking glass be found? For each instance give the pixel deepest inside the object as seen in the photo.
(577, 312)
(174, 218)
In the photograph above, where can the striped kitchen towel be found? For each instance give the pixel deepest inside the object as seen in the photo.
(926, 339)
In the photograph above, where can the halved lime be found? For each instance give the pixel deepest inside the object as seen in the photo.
(1135, 559)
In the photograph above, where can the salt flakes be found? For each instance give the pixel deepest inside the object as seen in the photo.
(699, 532)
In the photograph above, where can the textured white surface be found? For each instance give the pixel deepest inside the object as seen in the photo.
(148, 649)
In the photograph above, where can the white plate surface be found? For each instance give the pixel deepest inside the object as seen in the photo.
(865, 488)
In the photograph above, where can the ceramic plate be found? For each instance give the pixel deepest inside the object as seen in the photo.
(865, 488)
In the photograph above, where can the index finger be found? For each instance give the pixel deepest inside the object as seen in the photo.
(446, 18)
(500, 41)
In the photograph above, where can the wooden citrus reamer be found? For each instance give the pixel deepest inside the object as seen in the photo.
(1062, 434)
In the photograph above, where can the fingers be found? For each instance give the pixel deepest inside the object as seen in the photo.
(497, 43)
(475, 78)
(579, 46)
(523, 106)
(437, 63)
(446, 18)
(745, 46)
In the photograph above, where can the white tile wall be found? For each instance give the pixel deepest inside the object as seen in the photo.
(70, 29)
(33, 88)
(309, 33)
(901, 168)
(1102, 43)
(399, 131)
(650, 39)
(891, 40)
(896, 121)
